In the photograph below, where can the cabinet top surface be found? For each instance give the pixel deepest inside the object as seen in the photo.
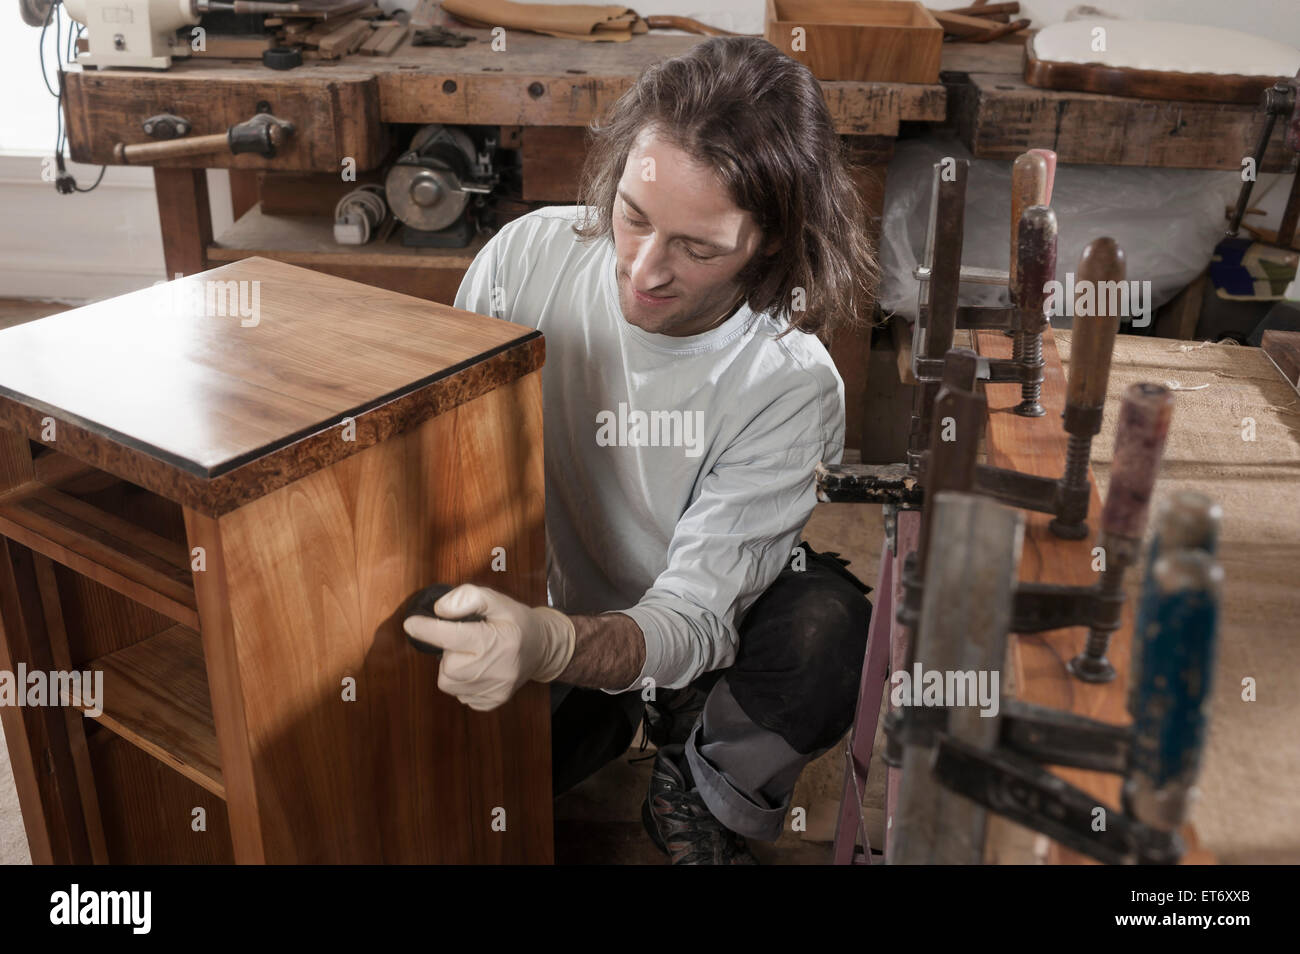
(209, 372)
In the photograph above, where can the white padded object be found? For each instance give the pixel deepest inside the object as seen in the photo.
(1159, 45)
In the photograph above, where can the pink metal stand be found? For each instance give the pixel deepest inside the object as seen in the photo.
(886, 640)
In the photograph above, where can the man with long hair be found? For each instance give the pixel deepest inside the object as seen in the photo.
(687, 402)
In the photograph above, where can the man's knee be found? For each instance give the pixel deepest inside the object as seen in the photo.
(800, 658)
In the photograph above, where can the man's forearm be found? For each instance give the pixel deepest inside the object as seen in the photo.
(609, 652)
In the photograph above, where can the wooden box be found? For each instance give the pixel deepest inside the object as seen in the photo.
(884, 41)
(220, 493)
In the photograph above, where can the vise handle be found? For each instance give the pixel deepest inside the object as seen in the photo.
(263, 134)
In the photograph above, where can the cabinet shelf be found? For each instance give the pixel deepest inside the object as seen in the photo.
(127, 558)
(155, 695)
(309, 240)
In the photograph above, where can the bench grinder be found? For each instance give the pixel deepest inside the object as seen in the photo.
(431, 185)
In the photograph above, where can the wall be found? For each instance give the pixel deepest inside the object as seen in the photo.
(78, 247)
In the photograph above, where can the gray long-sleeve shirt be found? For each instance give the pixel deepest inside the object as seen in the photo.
(679, 471)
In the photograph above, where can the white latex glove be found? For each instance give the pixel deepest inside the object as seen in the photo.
(484, 664)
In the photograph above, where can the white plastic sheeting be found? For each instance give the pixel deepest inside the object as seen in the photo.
(1167, 221)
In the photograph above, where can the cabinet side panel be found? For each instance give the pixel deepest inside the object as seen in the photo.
(356, 754)
(499, 512)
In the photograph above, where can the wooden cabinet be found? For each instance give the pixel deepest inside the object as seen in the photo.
(219, 493)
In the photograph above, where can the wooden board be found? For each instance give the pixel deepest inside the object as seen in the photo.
(156, 697)
(235, 47)
(1283, 349)
(386, 38)
(1146, 84)
(1037, 446)
(211, 414)
(304, 589)
(997, 115)
(345, 39)
(103, 547)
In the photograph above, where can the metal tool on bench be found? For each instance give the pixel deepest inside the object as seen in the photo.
(1093, 343)
(1279, 101)
(440, 36)
(263, 134)
(133, 33)
(1032, 176)
(956, 467)
(359, 215)
(1139, 442)
(960, 763)
(940, 274)
(971, 579)
(1173, 661)
(431, 185)
(938, 316)
(1066, 497)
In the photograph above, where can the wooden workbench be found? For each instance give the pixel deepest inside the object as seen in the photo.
(543, 92)
(997, 115)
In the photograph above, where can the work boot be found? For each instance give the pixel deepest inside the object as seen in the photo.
(672, 714)
(670, 718)
(678, 821)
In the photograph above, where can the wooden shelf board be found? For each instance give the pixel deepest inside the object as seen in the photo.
(130, 560)
(309, 240)
(155, 696)
(1038, 446)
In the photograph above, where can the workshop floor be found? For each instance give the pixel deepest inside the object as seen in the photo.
(599, 822)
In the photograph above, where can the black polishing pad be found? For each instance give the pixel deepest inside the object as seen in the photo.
(421, 604)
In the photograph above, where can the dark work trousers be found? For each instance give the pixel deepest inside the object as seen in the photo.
(788, 697)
